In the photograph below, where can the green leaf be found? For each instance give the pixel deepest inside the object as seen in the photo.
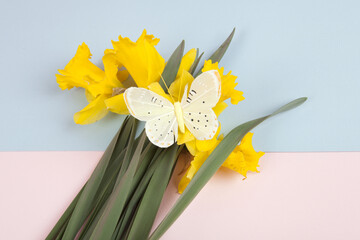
(116, 202)
(219, 53)
(126, 128)
(172, 66)
(87, 197)
(211, 165)
(61, 232)
(139, 192)
(128, 154)
(146, 157)
(103, 193)
(195, 63)
(61, 224)
(150, 203)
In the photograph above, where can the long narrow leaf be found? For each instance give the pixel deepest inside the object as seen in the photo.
(172, 66)
(139, 192)
(125, 129)
(103, 193)
(61, 232)
(211, 165)
(196, 62)
(107, 223)
(150, 203)
(61, 224)
(146, 157)
(86, 200)
(219, 53)
(128, 154)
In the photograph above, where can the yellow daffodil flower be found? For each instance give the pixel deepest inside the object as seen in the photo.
(81, 72)
(117, 103)
(141, 60)
(128, 64)
(243, 159)
(185, 64)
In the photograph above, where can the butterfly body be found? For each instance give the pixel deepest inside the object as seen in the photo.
(179, 116)
(164, 119)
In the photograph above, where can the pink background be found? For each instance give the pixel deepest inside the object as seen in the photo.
(295, 196)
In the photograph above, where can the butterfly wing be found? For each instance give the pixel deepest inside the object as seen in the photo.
(144, 104)
(203, 95)
(162, 131)
(161, 126)
(204, 92)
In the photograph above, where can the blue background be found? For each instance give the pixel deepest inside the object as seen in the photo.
(282, 50)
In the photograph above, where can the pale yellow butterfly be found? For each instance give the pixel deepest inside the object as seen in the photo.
(164, 119)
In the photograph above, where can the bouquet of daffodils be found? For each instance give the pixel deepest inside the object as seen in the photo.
(179, 101)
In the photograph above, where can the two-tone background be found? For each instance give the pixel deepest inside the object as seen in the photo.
(308, 185)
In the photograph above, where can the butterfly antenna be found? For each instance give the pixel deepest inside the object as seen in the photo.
(166, 86)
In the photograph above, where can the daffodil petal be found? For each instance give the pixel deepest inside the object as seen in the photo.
(149, 38)
(228, 83)
(195, 165)
(79, 72)
(236, 96)
(220, 106)
(191, 147)
(186, 61)
(178, 86)
(247, 148)
(117, 104)
(93, 112)
(209, 65)
(185, 137)
(113, 76)
(111, 67)
(198, 161)
(207, 145)
(236, 162)
(156, 88)
(89, 96)
(122, 75)
(244, 158)
(140, 58)
(97, 89)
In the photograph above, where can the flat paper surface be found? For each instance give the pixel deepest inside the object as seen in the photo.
(282, 50)
(295, 196)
